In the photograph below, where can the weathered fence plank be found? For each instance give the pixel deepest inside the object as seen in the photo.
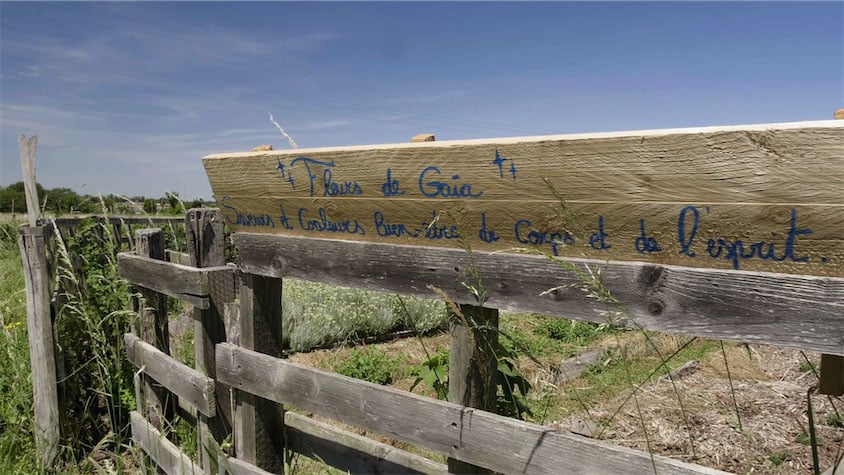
(177, 257)
(182, 282)
(757, 197)
(166, 455)
(182, 380)
(233, 466)
(157, 404)
(463, 433)
(473, 366)
(206, 244)
(350, 452)
(258, 423)
(805, 312)
(28, 150)
(32, 243)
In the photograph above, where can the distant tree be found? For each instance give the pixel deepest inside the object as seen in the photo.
(62, 200)
(13, 197)
(174, 203)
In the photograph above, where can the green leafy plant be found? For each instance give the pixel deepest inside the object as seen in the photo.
(512, 385)
(369, 364)
(570, 331)
(434, 372)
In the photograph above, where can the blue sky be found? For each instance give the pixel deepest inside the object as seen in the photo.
(127, 97)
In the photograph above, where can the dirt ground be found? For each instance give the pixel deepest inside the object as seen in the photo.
(769, 386)
(771, 393)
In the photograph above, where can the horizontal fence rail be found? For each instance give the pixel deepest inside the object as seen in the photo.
(176, 280)
(481, 438)
(805, 312)
(351, 452)
(166, 454)
(182, 380)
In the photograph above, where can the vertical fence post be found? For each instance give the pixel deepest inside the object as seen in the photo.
(473, 366)
(28, 150)
(157, 403)
(832, 366)
(473, 359)
(259, 423)
(32, 242)
(206, 247)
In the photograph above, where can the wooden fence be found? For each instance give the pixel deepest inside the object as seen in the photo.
(239, 328)
(293, 216)
(37, 243)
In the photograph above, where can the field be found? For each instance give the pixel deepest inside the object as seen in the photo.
(738, 408)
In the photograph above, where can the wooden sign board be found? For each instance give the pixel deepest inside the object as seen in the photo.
(760, 197)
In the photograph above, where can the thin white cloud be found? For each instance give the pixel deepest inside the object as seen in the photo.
(427, 98)
(322, 125)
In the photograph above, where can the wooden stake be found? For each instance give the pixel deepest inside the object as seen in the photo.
(32, 243)
(206, 246)
(158, 403)
(28, 149)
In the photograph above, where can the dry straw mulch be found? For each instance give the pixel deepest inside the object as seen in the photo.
(770, 391)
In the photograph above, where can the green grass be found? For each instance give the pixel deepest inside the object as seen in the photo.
(615, 374)
(537, 335)
(370, 364)
(17, 445)
(778, 458)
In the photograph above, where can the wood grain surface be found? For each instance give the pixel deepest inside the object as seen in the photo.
(762, 197)
(499, 443)
(804, 312)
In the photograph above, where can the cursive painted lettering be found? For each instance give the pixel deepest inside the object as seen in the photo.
(339, 189)
(537, 238)
(432, 230)
(598, 240)
(391, 186)
(308, 163)
(383, 228)
(440, 189)
(486, 234)
(324, 224)
(285, 222)
(235, 217)
(737, 251)
(686, 240)
(645, 243)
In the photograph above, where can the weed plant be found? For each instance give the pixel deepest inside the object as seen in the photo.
(370, 364)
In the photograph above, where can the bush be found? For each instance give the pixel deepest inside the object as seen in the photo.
(317, 315)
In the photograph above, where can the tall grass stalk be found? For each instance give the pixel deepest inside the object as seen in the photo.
(90, 326)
